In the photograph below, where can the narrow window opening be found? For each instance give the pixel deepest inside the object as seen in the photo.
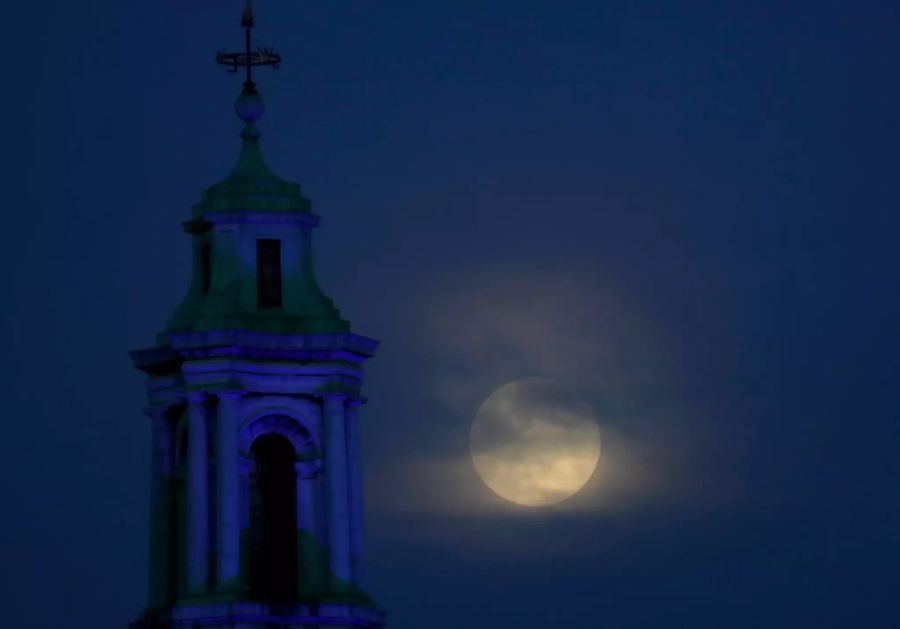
(268, 273)
(273, 520)
(206, 266)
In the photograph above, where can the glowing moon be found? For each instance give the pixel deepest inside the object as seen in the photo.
(534, 442)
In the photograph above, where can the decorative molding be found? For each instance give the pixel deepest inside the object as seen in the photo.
(309, 469)
(243, 216)
(196, 397)
(283, 419)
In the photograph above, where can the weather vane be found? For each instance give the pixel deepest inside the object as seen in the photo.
(248, 58)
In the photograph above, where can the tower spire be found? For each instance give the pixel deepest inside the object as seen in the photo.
(249, 105)
(255, 386)
(247, 23)
(247, 17)
(248, 58)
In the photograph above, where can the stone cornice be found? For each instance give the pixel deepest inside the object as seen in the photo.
(264, 341)
(325, 347)
(241, 216)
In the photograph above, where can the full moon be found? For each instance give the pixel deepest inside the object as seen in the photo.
(534, 442)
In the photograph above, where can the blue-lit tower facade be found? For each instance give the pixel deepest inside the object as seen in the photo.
(254, 391)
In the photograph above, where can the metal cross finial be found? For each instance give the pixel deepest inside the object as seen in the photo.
(247, 17)
(248, 58)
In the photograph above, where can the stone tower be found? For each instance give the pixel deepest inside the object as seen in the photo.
(254, 393)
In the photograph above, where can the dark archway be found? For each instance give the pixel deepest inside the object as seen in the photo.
(273, 519)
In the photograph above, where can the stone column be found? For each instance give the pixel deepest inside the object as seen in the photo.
(306, 505)
(356, 500)
(244, 466)
(160, 560)
(308, 538)
(227, 477)
(197, 495)
(336, 488)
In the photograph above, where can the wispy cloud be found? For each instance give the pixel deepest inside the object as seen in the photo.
(489, 328)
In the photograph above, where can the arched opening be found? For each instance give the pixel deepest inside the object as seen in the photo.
(273, 519)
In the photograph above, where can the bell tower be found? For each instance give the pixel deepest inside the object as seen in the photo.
(254, 397)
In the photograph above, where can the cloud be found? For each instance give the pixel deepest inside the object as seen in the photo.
(484, 329)
(572, 327)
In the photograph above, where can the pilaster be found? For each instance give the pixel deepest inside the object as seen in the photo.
(228, 477)
(311, 574)
(198, 496)
(160, 562)
(357, 551)
(337, 498)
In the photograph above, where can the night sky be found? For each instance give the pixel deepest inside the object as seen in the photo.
(687, 212)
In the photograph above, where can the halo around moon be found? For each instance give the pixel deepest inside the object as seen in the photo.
(534, 442)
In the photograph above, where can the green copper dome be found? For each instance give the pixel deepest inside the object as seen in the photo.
(252, 242)
(251, 185)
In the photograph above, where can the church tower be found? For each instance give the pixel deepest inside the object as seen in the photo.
(254, 397)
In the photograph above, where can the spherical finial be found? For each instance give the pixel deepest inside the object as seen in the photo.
(249, 106)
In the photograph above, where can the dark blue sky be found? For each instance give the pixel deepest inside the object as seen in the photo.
(686, 211)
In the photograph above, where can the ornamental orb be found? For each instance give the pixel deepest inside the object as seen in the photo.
(249, 106)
